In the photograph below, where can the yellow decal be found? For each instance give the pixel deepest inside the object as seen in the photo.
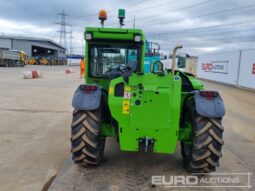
(110, 90)
(126, 107)
(128, 88)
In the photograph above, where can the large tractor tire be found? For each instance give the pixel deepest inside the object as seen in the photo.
(203, 153)
(87, 145)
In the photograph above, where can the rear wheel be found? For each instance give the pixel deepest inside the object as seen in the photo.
(87, 145)
(11, 63)
(14, 64)
(202, 154)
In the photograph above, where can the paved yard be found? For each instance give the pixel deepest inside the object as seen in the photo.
(35, 117)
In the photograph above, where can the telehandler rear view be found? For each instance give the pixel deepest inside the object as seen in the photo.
(149, 111)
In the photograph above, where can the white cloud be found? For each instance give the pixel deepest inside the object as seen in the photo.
(23, 29)
(208, 49)
(181, 19)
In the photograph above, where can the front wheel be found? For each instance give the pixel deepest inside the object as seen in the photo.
(87, 145)
(202, 154)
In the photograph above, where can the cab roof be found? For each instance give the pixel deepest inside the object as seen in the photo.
(113, 30)
(114, 33)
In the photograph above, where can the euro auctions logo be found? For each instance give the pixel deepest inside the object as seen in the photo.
(215, 66)
(207, 66)
(204, 180)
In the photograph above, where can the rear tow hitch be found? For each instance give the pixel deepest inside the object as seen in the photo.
(146, 143)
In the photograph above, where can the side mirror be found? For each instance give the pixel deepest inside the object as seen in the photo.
(157, 67)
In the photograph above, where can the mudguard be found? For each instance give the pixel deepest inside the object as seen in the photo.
(83, 100)
(213, 107)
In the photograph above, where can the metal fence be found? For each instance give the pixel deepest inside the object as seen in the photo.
(235, 68)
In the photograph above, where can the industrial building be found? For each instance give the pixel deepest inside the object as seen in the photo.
(33, 46)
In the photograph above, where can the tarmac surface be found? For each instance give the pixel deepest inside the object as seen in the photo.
(35, 118)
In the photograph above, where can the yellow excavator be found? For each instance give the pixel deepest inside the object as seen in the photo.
(44, 61)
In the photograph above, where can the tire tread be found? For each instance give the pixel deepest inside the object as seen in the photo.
(87, 146)
(206, 143)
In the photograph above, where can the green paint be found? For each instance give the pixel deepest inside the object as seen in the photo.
(114, 35)
(185, 134)
(157, 116)
(153, 111)
(107, 130)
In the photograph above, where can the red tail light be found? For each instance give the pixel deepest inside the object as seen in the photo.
(88, 88)
(209, 94)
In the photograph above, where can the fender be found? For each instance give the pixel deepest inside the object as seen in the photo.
(209, 104)
(87, 97)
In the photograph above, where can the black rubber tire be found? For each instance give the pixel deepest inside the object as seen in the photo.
(87, 145)
(14, 64)
(11, 63)
(204, 153)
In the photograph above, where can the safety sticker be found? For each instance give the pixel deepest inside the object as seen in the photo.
(126, 107)
(127, 95)
(111, 90)
(128, 88)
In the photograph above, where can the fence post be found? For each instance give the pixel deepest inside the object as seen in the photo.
(239, 67)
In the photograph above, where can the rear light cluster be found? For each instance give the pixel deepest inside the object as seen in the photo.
(208, 94)
(88, 88)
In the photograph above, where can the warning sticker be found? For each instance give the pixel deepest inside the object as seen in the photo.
(128, 88)
(126, 107)
(111, 90)
(127, 95)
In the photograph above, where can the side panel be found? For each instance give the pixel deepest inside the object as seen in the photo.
(149, 108)
(221, 67)
(196, 84)
(11, 55)
(247, 69)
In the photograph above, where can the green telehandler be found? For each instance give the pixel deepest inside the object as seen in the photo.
(144, 111)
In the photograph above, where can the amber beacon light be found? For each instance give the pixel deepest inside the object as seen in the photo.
(102, 16)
